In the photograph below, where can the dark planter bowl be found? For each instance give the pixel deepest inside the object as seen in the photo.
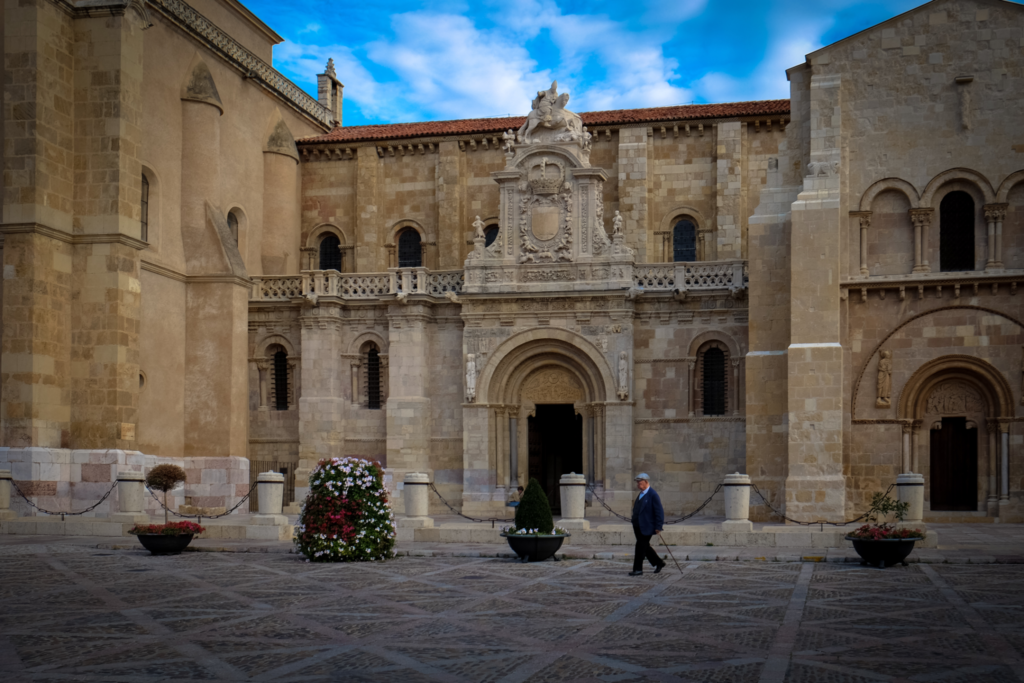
(884, 552)
(534, 548)
(161, 544)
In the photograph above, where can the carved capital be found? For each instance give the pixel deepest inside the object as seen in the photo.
(921, 217)
(864, 216)
(263, 364)
(995, 212)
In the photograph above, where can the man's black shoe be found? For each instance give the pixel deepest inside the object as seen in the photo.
(639, 572)
(659, 567)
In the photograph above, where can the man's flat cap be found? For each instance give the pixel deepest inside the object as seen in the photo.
(642, 475)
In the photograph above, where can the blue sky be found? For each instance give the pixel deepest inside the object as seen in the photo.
(421, 61)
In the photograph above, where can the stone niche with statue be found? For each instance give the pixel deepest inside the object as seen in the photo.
(552, 233)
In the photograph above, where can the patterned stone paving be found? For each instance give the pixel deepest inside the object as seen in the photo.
(75, 613)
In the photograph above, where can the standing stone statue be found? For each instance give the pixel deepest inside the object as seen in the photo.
(478, 225)
(623, 375)
(617, 224)
(509, 141)
(884, 380)
(470, 378)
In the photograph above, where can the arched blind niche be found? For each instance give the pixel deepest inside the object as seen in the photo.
(330, 253)
(684, 241)
(410, 254)
(956, 232)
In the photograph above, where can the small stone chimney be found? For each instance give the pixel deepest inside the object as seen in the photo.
(329, 91)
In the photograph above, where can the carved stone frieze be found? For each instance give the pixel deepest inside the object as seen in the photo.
(955, 397)
(551, 385)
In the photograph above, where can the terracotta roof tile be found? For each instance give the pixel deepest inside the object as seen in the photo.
(689, 112)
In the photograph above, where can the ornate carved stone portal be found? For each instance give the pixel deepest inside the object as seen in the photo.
(551, 385)
(955, 397)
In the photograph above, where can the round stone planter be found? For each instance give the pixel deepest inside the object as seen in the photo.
(535, 548)
(884, 552)
(162, 544)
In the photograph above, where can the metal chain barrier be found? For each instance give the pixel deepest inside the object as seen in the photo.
(200, 517)
(820, 522)
(673, 521)
(61, 512)
(492, 520)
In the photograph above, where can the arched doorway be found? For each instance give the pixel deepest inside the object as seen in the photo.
(958, 410)
(548, 388)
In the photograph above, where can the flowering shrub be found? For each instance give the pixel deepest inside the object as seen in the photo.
(881, 507)
(172, 529)
(512, 530)
(347, 516)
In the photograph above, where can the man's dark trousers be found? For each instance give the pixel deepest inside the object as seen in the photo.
(643, 549)
(648, 518)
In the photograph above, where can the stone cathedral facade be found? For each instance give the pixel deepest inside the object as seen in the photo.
(203, 265)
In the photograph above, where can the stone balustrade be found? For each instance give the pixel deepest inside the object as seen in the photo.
(676, 278)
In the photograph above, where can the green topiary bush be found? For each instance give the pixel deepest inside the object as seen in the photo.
(534, 511)
(346, 516)
(164, 478)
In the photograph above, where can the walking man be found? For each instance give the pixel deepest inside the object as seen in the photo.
(648, 519)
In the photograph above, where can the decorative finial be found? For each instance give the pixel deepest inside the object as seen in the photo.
(330, 68)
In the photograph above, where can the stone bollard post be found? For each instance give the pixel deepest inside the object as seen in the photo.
(416, 501)
(910, 489)
(5, 496)
(270, 495)
(737, 503)
(131, 495)
(573, 492)
(270, 492)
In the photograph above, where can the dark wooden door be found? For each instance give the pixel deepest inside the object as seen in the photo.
(954, 466)
(556, 448)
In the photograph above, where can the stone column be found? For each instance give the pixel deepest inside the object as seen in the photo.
(130, 495)
(691, 393)
(915, 436)
(994, 216)
(573, 492)
(513, 450)
(864, 217)
(408, 405)
(815, 484)
(906, 428)
(910, 489)
(322, 401)
(263, 367)
(992, 503)
(734, 399)
(355, 368)
(634, 193)
(737, 503)
(922, 219)
(416, 501)
(5, 496)
(1004, 466)
(501, 444)
(281, 205)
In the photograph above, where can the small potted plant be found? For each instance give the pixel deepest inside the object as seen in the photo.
(166, 538)
(882, 543)
(534, 536)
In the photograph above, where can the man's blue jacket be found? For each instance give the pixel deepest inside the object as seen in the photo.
(648, 513)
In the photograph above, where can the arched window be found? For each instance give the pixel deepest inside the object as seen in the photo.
(330, 253)
(410, 255)
(145, 208)
(713, 375)
(956, 232)
(684, 241)
(373, 378)
(281, 380)
(491, 234)
(233, 224)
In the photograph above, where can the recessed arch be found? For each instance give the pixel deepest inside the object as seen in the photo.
(520, 355)
(979, 372)
(966, 175)
(403, 225)
(324, 229)
(885, 185)
(359, 342)
(715, 336)
(1011, 181)
(270, 340)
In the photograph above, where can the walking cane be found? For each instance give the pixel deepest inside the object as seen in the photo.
(670, 552)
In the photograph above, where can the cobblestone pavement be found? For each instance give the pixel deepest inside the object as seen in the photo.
(76, 613)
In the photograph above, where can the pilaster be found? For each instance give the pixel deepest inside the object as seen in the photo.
(634, 193)
(730, 191)
(451, 205)
(408, 405)
(369, 213)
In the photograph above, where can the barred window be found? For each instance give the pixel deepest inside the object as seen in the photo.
(956, 232)
(410, 255)
(373, 378)
(145, 208)
(684, 241)
(713, 371)
(281, 380)
(330, 253)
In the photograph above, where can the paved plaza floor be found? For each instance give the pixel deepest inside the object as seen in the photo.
(74, 612)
